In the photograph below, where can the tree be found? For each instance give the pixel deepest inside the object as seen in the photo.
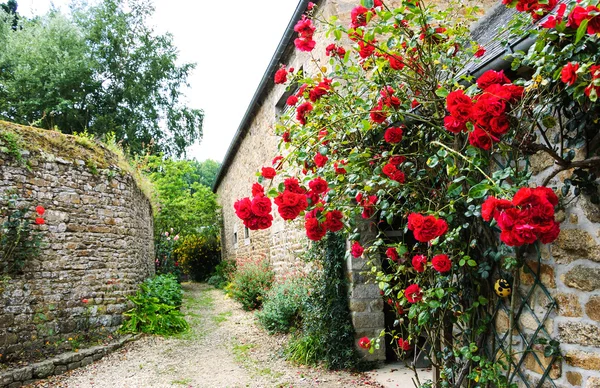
(206, 171)
(10, 7)
(102, 70)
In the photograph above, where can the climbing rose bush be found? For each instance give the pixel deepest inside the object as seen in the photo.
(389, 133)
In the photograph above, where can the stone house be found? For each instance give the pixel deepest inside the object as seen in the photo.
(570, 269)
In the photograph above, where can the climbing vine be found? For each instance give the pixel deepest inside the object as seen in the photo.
(392, 134)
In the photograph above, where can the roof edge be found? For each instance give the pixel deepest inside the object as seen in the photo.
(265, 82)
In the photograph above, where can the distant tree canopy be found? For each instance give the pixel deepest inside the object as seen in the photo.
(101, 69)
(186, 202)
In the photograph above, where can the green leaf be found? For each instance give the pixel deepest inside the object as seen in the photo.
(439, 293)
(442, 92)
(581, 31)
(367, 3)
(479, 190)
(472, 263)
(433, 161)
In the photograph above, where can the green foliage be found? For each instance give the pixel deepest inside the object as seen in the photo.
(185, 204)
(282, 306)
(101, 68)
(165, 288)
(251, 283)
(19, 241)
(327, 332)
(156, 308)
(198, 255)
(10, 143)
(164, 245)
(223, 274)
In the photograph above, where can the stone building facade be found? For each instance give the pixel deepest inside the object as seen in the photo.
(97, 241)
(570, 268)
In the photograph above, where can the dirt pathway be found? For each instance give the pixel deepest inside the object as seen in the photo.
(224, 348)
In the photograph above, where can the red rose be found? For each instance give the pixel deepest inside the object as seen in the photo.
(426, 228)
(459, 105)
(481, 139)
(397, 160)
(243, 208)
(40, 210)
(290, 204)
(491, 77)
(261, 206)
(333, 220)
(359, 16)
(280, 76)
(393, 135)
(366, 48)
(40, 221)
(480, 52)
(577, 15)
(357, 250)
(320, 160)
(304, 27)
(396, 62)
(292, 100)
(378, 115)
(551, 234)
(413, 293)
(392, 254)
(492, 206)
(292, 184)
(338, 169)
(84, 300)
(256, 223)
(318, 185)
(499, 125)
(314, 230)
(594, 23)
(257, 190)
(364, 343)
(568, 74)
(554, 19)
(286, 137)
(304, 44)
(268, 172)
(302, 111)
(441, 263)
(454, 125)
(404, 345)
(319, 91)
(418, 262)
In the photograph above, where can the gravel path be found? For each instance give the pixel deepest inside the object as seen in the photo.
(224, 348)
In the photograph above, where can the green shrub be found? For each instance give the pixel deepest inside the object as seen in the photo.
(223, 274)
(283, 305)
(156, 308)
(251, 283)
(198, 255)
(165, 288)
(304, 349)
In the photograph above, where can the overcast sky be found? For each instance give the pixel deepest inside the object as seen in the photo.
(232, 43)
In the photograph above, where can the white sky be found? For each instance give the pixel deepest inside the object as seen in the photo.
(231, 42)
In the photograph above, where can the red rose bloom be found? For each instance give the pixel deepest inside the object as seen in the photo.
(261, 206)
(243, 208)
(397, 160)
(304, 44)
(378, 115)
(281, 76)
(359, 16)
(568, 74)
(268, 172)
(393, 135)
(40, 221)
(302, 111)
(499, 125)
(404, 345)
(292, 184)
(304, 27)
(276, 159)
(286, 137)
(392, 254)
(492, 206)
(292, 100)
(320, 160)
(314, 230)
(333, 220)
(454, 125)
(396, 62)
(338, 169)
(257, 190)
(364, 343)
(459, 105)
(481, 139)
(413, 293)
(577, 15)
(40, 210)
(366, 49)
(492, 77)
(290, 204)
(426, 228)
(418, 262)
(441, 263)
(318, 185)
(480, 52)
(357, 250)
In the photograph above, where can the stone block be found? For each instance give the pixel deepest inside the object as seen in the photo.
(574, 378)
(579, 333)
(592, 308)
(546, 274)
(584, 360)
(362, 321)
(358, 305)
(583, 278)
(60, 369)
(23, 374)
(43, 369)
(593, 382)
(73, 365)
(87, 361)
(573, 244)
(541, 363)
(568, 305)
(364, 291)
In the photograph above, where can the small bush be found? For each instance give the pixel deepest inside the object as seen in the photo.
(304, 350)
(223, 274)
(198, 255)
(156, 308)
(251, 283)
(283, 305)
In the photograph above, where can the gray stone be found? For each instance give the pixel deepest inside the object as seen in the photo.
(583, 278)
(579, 333)
(87, 361)
(23, 374)
(43, 369)
(368, 320)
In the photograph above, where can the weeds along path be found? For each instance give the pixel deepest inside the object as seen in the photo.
(224, 348)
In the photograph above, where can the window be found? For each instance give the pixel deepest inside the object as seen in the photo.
(235, 236)
(246, 232)
(281, 107)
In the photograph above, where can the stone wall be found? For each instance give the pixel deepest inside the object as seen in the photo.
(97, 242)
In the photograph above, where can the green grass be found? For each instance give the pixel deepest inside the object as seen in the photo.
(182, 381)
(221, 317)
